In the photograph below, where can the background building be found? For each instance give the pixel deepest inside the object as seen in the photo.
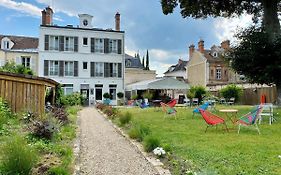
(134, 71)
(208, 68)
(178, 71)
(84, 59)
(19, 49)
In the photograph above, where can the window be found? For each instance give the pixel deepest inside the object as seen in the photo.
(67, 89)
(218, 73)
(54, 43)
(85, 41)
(54, 68)
(99, 69)
(112, 46)
(85, 65)
(6, 45)
(99, 45)
(25, 61)
(114, 70)
(68, 68)
(69, 43)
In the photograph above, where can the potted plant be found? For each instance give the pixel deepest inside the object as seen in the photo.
(120, 96)
(106, 97)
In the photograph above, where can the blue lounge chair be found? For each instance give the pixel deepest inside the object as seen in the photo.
(203, 107)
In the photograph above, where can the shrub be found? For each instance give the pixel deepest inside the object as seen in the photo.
(18, 157)
(110, 111)
(120, 95)
(125, 118)
(106, 95)
(60, 114)
(148, 95)
(12, 67)
(150, 143)
(231, 91)
(28, 117)
(59, 95)
(72, 99)
(138, 132)
(100, 106)
(197, 92)
(5, 113)
(134, 97)
(43, 129)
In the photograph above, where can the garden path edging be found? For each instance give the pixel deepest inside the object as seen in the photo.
(77, 147)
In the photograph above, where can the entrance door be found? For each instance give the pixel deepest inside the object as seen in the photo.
(85, 95)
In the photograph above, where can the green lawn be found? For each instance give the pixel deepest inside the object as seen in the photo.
(216, 152)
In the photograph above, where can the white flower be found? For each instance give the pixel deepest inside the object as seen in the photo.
(279, 156)
(159, 151)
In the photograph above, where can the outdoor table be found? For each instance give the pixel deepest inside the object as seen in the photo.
(231, 114)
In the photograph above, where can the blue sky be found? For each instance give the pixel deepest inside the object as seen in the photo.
(166, 37)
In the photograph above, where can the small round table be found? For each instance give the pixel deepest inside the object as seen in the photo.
(231, 114)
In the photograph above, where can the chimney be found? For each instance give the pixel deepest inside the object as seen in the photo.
(47, 16)
(117, 21)
(225, 44)
(180, 61)
(43, 17)
(201, 46)
(191, 50)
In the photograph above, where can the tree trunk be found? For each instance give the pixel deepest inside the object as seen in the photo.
(278, 94)
(270, 17)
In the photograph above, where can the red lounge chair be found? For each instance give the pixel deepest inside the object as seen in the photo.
(172, 103)
(212, 119)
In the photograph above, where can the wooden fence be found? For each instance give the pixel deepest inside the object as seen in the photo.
(252, 96)
(24, 92)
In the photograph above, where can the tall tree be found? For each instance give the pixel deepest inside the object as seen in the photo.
(147, 61)
(143, 62)
(228, 8)
(258, 55)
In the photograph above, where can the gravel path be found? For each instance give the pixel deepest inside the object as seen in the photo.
(105, 152)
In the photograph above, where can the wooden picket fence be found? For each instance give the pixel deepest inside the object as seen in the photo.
(24, 92)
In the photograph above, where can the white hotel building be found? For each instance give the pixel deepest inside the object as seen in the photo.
(83, 59)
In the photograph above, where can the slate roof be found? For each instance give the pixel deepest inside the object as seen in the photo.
(22, 42)
(210, 58)
(177, 67)
(135, 62)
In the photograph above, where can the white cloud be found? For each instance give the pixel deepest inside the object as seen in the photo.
(226, 28)
(22, 7)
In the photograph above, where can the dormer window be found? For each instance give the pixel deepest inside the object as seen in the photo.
(128, 63)
(6, 44)
(215, 54)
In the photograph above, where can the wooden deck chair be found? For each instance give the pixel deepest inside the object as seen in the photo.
(250, 119)
(168, 110)
(212, 119)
